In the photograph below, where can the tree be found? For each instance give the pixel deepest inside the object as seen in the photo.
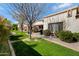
(29, 12)
(4, 30)
(7, 23)
(14, 10)
(15, 27)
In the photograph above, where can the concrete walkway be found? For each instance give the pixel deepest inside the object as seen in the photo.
(73, 46)
(11, 48)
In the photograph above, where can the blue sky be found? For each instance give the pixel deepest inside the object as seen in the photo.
(51, 8)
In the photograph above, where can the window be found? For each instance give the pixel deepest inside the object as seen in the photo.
(69, 13)
(54, 27)
(77, 12)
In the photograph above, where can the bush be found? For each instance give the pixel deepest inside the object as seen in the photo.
(66, 36)
(15, 27)
(76, 36)
(47, 32)
(4, 32)
(4, 35)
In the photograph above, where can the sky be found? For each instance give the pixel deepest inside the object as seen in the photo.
(51, 8)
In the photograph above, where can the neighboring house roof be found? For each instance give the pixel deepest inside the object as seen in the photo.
(38, 22)
(72, 8)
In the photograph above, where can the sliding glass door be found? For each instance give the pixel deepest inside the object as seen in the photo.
(54, 27)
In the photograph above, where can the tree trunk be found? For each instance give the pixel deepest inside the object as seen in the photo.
(22, 27)
(30, 32)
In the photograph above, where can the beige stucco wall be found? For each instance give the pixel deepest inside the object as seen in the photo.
(69, 23)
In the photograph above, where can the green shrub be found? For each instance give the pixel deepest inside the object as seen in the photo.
(4, 35)
(76, 36)
(15, 27)
(66, 36)
(4, 32)
(47, 32)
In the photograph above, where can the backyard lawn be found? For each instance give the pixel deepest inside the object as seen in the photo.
(38, 47)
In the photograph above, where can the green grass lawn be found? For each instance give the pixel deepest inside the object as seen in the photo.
(41, 47)
(19, 35)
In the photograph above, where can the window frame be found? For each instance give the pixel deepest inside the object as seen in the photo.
(69, 13)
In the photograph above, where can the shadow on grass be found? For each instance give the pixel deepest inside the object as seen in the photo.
(15, 37)
(33, 45)
(22, 49)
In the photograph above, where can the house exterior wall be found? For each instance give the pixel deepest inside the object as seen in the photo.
(25, 27)
(69, 23)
